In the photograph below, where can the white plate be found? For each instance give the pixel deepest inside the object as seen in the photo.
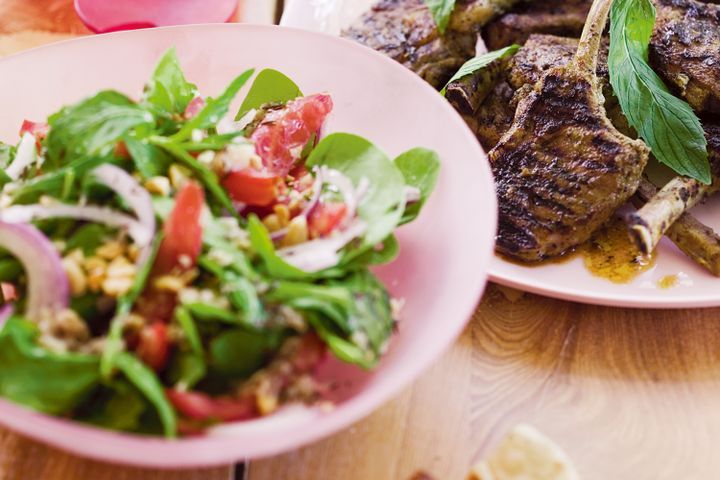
(570, 281)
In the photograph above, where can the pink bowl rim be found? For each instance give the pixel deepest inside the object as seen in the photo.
(119, 448)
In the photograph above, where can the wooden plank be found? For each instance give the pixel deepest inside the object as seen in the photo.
(259, 12)
(629, 394)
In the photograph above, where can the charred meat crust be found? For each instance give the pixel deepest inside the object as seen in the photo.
(685, 50)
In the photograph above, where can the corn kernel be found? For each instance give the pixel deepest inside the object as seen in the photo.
(272, 222)
(283, 214)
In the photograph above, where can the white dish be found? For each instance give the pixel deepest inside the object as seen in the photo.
(570, 280)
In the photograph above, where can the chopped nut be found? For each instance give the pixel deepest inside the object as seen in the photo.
(133, 252)
(117, 286)
(185, 261)
(266, 399)
(95, 268)
(76, 255)
(169, 283)
(179, 175)
(272, 223)
(76, 276)
(159, 185)
(297, 232)
(207, 158)
(110, 250)
(121, 267)
(133, 323)
(283, 214)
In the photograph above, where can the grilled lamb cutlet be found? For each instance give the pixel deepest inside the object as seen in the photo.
(652, 221)
(685, 50)
(696, 240)
(555, 17)
(405, 31)
(563, 169)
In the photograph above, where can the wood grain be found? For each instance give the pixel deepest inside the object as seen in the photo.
(629, 394)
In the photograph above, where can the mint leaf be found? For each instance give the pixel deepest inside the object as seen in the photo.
(270, 86)
(480, 62)
(168, 88)
(666, 123)
(441, 10)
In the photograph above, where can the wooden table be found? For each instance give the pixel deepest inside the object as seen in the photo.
(629, 394)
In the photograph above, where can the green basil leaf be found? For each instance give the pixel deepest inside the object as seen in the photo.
(480, 62)
(93, 126)
(420, 168)
(147, 382)
(39, 379)
(666, 123)
(270, 86)
(150, 160)
(214, 109)
(441, 11)
(168, 88)
(383, 204)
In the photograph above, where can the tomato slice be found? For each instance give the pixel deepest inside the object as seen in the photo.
(39, 129)
(194, 107)
(201, 406)
(281, 136)
(9, 293)
(326, 217)
(251, 187)
(183, 233)
(153, 346)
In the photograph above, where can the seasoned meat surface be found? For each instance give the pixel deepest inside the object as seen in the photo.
(685, 50)
(405, 31)
(563, 169)
(556, 17)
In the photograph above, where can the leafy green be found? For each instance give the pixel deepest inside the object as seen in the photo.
(239, 353)
(213, 142)
(441, 11)
(149, 384)
(480, 62)
(239, 290)
(88, 238)
(381, 207)
(420, 168)
(37, 378)
(117, 407)
(334, 302)
(7, 153)
(114, 342)
(168, 88)
(92, 126)
(667, 124)
(214, 109)
(150, 160)
(206, 176)
(270, 86)
(263, 246)
(211, 313)
(10, 269)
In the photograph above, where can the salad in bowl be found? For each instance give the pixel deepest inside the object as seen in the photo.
(167, 264)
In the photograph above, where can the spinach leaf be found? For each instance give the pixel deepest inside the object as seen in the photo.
(168, 88)
(39, 379)
(480, 62)
(149, 384)
(211, 313)
(334, 302)
(189, 365)
(93, 126)
(441, 10)
(114, 343)
(239, 353)
(270, 86)
(7, 154)
(667, 124)
(10, 269)
(150, 161)
(383, 204)
(213, 142)
(116, 407)
(214, 109)
(420, 168)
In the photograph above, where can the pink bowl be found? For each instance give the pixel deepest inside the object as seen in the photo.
(441, 271)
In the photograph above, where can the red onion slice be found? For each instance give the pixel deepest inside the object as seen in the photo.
(322, 253)
(137, 197)
(6, 312)
(107, 216)
(48, 287)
